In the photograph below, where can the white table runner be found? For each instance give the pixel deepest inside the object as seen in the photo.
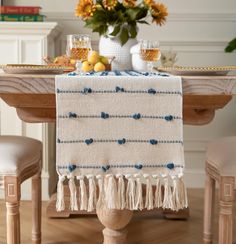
(119, 130)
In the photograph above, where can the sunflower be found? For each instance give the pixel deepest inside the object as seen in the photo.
(129, 3)
(149, 3)
(109, 4)
(159, 13)
(85, 9)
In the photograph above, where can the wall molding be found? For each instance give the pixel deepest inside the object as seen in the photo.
(203, 17)
(173, 17)
(185, 46)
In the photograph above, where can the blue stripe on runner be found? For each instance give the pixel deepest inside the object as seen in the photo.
(117, 73)
(117, 116)
(117, 141)
(131, 73)
(60, 91)
(117, 165)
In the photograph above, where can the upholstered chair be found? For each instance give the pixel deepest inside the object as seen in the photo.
(220, 168)
(20, 159)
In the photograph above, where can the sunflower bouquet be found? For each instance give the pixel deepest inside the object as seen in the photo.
(120, 18)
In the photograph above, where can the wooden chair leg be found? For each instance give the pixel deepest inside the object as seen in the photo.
(226, 205)
(115, 222)
(208, 209)
(36, 208)
(12, 198)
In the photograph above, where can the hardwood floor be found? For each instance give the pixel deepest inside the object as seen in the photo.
(142, 230)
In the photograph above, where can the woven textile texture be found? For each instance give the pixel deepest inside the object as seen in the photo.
(117, 131)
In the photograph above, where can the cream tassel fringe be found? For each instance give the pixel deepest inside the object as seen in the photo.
(168, 197)
(60, 204)
(73, 193)
(149, 193)
(83, 194)
(100, 201)
(115, 194)
(111, 192)
(139, 193)
(158, 193)
(92, 193)
(130, 192)
(121, 192)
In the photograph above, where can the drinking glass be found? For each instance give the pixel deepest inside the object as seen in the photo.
(150, 52)
(78, 47)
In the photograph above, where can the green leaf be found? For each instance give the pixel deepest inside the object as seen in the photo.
(124, 36)
(115, 31)
(102, 29)
(142, 13)
(231, 46)
(93, 25)
(133, 31)
(133, 13)
(143, 22)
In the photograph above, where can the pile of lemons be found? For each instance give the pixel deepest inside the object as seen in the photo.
(95, 62)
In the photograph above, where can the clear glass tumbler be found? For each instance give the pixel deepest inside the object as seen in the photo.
(150, 52)
(78, 47)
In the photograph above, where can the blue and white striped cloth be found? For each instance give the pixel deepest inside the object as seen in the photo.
(116, 127)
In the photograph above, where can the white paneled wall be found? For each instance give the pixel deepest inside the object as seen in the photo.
(27, 43)
(198, 31)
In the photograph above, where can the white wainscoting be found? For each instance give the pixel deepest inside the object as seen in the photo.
(28, 43)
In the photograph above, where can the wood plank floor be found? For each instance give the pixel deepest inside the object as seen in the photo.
(142, 230)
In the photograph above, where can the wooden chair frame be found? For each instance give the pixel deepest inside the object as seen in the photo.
(12, 185)
(226, 198)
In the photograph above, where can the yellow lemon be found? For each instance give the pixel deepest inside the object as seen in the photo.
(72, 61)
(99, 67)
(93, 57)
(87, 66)
(104, 60)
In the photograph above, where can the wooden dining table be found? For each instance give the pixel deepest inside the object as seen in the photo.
(33, 96)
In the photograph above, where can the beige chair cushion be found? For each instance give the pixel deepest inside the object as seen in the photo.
(222, 155)
(18, 153)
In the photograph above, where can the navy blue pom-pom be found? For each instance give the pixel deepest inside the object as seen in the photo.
(119, 89)
(89, 141)
(87, 90)
(58, 140)
(170, 165)
(121, 141)
(152, 91)
(72, 74)
(72, 115)
(153, 141)
(72, 167)
(164, 75)
(137, 116)
(138, 166)
(105, 168)
(104, 115)
(58, 90)
(169, 117)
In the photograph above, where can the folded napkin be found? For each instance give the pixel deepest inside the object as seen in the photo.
(118, 131)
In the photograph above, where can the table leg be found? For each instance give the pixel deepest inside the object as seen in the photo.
(115, 222)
